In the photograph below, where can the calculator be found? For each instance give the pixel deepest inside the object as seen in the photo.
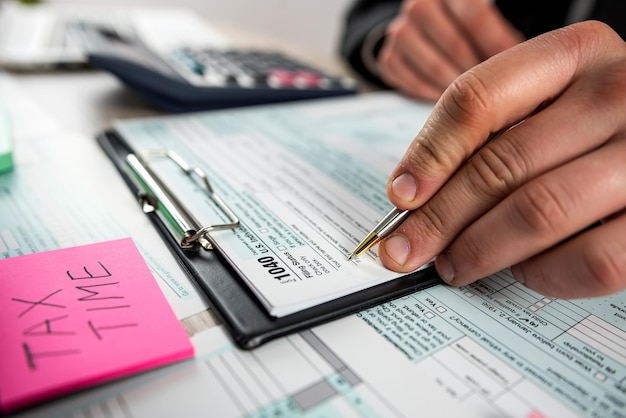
(202, 78)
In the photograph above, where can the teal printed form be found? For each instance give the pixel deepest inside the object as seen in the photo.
(439, 352)
(572, 349)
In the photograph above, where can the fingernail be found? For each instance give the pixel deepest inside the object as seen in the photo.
(398, 248)
(445, 268)
(517, 274)
(404, 187)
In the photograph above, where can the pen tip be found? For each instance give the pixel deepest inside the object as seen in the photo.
(371, 239)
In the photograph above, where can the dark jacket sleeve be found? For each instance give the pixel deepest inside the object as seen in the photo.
(534, 17)
(361, 18)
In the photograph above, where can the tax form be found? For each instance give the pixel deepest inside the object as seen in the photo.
(305, 185)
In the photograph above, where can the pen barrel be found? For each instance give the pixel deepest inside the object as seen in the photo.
(391, 221)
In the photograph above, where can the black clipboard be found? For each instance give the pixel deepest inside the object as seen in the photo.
(230, 298)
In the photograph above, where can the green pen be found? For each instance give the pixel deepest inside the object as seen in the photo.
(6, 141)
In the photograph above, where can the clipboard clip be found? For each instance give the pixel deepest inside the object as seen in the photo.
(157, 197)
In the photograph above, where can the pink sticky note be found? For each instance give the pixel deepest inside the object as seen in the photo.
(76, 317)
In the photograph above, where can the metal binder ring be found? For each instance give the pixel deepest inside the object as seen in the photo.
(157, 197)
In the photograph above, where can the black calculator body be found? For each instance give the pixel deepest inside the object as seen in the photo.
(193, 78)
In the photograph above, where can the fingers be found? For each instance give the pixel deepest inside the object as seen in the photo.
(539, 217)
(432, 22)
(497, 205)
(487, 29)
(403, 63)
(487, 98)
(411, 62)
(498, 170)
(590, 265)
(432, 42)
(541, 143)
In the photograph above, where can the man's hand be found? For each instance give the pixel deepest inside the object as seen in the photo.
(548, 197)
(431, 42)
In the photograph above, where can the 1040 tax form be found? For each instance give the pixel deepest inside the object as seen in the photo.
(306, 181)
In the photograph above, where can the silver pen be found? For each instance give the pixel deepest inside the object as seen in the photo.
(386, 226)
(396, 216)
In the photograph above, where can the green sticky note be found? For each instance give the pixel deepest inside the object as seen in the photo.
(6, 142)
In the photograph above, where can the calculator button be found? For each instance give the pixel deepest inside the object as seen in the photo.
(306, 79)
(347, 82)
(215, 79)
(250, 69)
(280, 78)
(326, 83)
(244, 80)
